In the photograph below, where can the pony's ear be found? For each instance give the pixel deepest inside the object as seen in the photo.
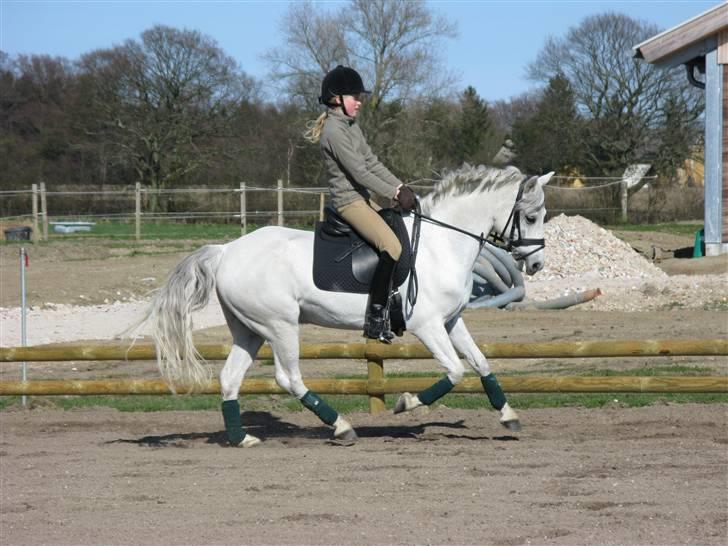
(544, 179)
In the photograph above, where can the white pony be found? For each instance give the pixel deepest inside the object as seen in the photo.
(265, 286)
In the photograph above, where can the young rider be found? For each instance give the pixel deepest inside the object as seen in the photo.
(353, 172)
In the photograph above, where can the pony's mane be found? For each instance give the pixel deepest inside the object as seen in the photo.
(468, 180)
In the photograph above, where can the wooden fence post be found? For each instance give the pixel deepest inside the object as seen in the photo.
(44, 210)
(375, 374)
(138, 211)
(35, 212)
(624, 198)
(243, 206)
(280, 202)
(322, 200)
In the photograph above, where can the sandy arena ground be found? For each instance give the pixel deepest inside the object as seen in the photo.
(656, 475)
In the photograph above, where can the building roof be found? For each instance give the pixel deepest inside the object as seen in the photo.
(687, 40)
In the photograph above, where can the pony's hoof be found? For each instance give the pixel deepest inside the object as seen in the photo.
(406, 402)
(249, 441)
(344, 432)
(348, 436)
(513, 425)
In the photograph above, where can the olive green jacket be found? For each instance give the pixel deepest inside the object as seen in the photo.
(352, 169)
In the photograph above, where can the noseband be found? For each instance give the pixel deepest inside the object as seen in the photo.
(514, 221)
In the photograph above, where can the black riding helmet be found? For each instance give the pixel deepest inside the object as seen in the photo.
(341, 81)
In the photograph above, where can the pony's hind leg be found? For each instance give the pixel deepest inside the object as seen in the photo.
(245, 346)
(464, 343)
(288, 375)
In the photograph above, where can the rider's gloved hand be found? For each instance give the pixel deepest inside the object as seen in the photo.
(406, 198)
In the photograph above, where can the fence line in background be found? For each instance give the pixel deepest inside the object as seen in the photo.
(39, 205)
(40, 218)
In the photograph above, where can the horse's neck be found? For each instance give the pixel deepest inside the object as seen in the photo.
(475, 213)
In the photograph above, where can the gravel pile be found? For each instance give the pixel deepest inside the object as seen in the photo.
(581, 256)
(579, 248)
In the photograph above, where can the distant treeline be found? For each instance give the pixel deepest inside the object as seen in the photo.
(172, 109)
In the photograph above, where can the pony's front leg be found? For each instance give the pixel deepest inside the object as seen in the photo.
(288, 376)
(465, 345)
(435, 338)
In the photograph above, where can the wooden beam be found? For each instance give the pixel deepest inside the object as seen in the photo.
(531, 384)
(723, 47)
(378, 351)
(670, 42)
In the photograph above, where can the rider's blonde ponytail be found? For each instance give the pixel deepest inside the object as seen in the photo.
(313, 128)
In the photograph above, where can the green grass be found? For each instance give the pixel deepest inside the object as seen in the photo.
(672, 228)
(123, 231)
(357, 403)
(163, 231)
(224, 232)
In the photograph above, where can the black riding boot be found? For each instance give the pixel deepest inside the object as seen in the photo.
(376, 322)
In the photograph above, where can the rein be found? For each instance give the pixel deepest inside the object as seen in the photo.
(413, 287)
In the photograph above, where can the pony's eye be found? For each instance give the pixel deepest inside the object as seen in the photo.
(531, 219)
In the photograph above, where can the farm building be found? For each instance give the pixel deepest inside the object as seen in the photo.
(701, 44)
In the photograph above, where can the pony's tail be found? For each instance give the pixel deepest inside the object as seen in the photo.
(187, 289)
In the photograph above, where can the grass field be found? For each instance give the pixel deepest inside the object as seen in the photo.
(353, 403)
(226, 232)
(674, 228)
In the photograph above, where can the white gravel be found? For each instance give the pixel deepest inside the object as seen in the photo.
(58, 323)
(580, 256)
(578, 248)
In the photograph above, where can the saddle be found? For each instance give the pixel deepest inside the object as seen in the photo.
(344, 262)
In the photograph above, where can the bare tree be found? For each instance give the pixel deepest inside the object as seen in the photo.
(393, 43)
(163, 99)
(623, 99)
(314, 42)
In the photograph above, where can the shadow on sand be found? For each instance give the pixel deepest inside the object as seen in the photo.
(269, 426)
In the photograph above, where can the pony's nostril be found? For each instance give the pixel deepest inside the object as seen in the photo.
(536, 266)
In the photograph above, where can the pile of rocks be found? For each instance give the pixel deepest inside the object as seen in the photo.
(579, 248)
(581, 256)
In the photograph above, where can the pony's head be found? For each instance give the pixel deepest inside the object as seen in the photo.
(488, 194)
(523, 229)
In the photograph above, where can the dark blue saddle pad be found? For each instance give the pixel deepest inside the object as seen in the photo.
(344, 262)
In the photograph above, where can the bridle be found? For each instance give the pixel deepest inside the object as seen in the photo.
(514, 221)
(496, 239)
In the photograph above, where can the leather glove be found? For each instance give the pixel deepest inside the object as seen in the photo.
(406, 198)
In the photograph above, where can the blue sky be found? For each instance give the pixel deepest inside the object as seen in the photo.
(496, 41)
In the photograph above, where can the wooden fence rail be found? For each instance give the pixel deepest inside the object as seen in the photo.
(530, 384)
(376, 385)
(219, 351)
